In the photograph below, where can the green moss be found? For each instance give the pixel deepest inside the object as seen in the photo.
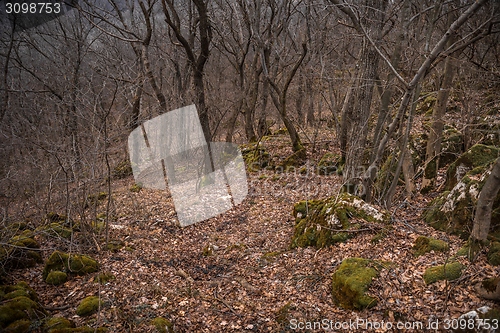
(136, 188)
(207, 251)
(324, 222)
(425, 244)
(255, 156)
(51, 324)
(104, 278)
(281, 131)
(54, 217)
(490, 285)
(478, 155)
(122, 169)
(25, 239)
(328, 163)
(163, 325)
(19, 308)
(282, 314)
(20, 289)
(494, 254)
(451, 146)
(19, 326)
(115, 245)
(55, 229)
(88, 306)
(95, 198)
(271, 255)
(463, 251)
(75, 263)
(453, 211)
(450, 271)
(384, 176)
(83, 329)
(491, 314)
(293, 161)
(381, 235)
(351, 281)
(15, 227)
(56, 278)
(427, 105)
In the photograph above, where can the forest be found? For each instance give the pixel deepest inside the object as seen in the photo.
(249, 166)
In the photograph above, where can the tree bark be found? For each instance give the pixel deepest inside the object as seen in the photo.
(489, 192)
(436, 134)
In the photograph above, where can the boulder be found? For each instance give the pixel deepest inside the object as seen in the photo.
(88, 306)
(255, 156)
(162, 325)
(485, 320)
(56, 278)
(19, 307)
(478, 156)
(450, 271)
(452, 211)
(69, 263)
(351, 281)
(329, 164)
(293, 161)
(424, 245)
(324, 222)
(19, 251)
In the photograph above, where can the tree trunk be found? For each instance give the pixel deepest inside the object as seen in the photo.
(436, 134)
(482, 218)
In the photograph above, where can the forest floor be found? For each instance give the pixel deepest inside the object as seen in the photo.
(236, 272)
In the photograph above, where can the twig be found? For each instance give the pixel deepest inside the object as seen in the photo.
(225, 303)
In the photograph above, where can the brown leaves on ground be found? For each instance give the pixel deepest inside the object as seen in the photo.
(250, 281)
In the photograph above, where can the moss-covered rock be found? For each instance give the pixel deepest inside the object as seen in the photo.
(104, 277)
(351, 281)
(426, 244)
(293, 161)
(18, 307)
(95, 198)
(74, 263)
(115, 245)
(324, 222)
(328, 164)
(122, 169)
(20, 289)
(483, 318)
(494, 254)
(135, 188)
(25, 239)
(450, 271)
(56, 278)
(162, 325)
(477, 156)
(63, 325)
(19, 251)
(255, 156)
(19, 326)
(88, 306)
(56, 323)
(55, 229)
(427, 104)
(83, 329)
(451, 146)
(452, 211)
